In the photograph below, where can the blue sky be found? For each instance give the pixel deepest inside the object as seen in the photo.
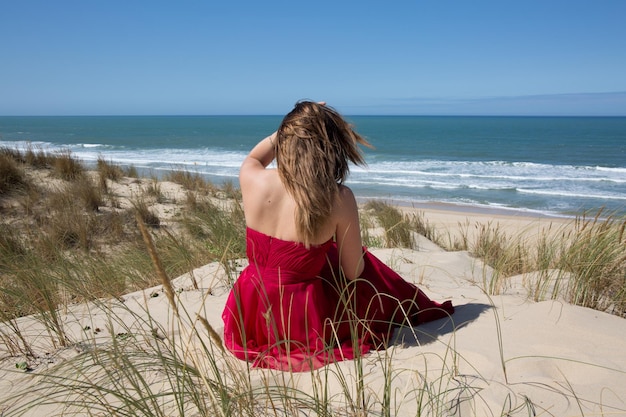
(545, 57)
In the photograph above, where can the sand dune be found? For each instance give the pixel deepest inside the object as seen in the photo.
(497, 355)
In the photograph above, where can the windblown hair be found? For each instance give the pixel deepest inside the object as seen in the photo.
(314, 145)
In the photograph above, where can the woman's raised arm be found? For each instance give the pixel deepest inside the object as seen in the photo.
(262, 154)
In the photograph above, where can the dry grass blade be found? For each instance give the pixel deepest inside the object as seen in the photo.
(156, 261)
(214, 335)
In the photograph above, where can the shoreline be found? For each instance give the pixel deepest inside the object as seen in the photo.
(467, 209)
(454, 223)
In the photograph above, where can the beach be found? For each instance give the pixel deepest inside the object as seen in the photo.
(484, 142)
(504, 352)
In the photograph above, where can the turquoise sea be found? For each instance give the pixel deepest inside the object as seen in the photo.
(542, 165)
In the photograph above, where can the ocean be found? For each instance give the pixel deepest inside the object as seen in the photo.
(537, 165)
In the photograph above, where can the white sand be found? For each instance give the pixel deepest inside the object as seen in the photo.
(497, 355)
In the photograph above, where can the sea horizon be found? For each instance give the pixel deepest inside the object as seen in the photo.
(344, 114)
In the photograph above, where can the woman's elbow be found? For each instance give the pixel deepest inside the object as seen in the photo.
(354, 273)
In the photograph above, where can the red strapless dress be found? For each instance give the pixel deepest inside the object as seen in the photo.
(290, 309)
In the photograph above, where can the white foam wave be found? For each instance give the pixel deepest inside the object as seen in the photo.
(561, 193)
(24, 145)
(612, 169)
(496, 182)
(496, 175)
(500, 177)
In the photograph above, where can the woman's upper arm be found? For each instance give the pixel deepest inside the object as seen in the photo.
(257, 160)
(348, 235)
(249, 168)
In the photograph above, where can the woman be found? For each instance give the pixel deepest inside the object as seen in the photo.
(312, 294)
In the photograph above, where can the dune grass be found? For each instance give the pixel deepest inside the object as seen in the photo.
(396, 229)
(582, 261)
(77, 245)
(11, 175)
(77, 228)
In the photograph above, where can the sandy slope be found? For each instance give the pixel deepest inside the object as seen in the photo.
(496, 355)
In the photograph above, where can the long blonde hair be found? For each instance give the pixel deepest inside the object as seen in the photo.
(314, 145)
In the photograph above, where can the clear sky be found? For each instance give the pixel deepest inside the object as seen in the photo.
(435, 57)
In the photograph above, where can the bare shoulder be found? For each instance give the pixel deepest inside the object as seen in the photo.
(346, 192)
(253, 175)
(250, 169)
(346, 212)
(347, 202)
(260, 189)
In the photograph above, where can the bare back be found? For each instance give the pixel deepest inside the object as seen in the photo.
(270, 209)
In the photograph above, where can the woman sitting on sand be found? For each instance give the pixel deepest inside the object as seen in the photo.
(312, 294)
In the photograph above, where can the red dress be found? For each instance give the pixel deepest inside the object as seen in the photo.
(290, 309)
